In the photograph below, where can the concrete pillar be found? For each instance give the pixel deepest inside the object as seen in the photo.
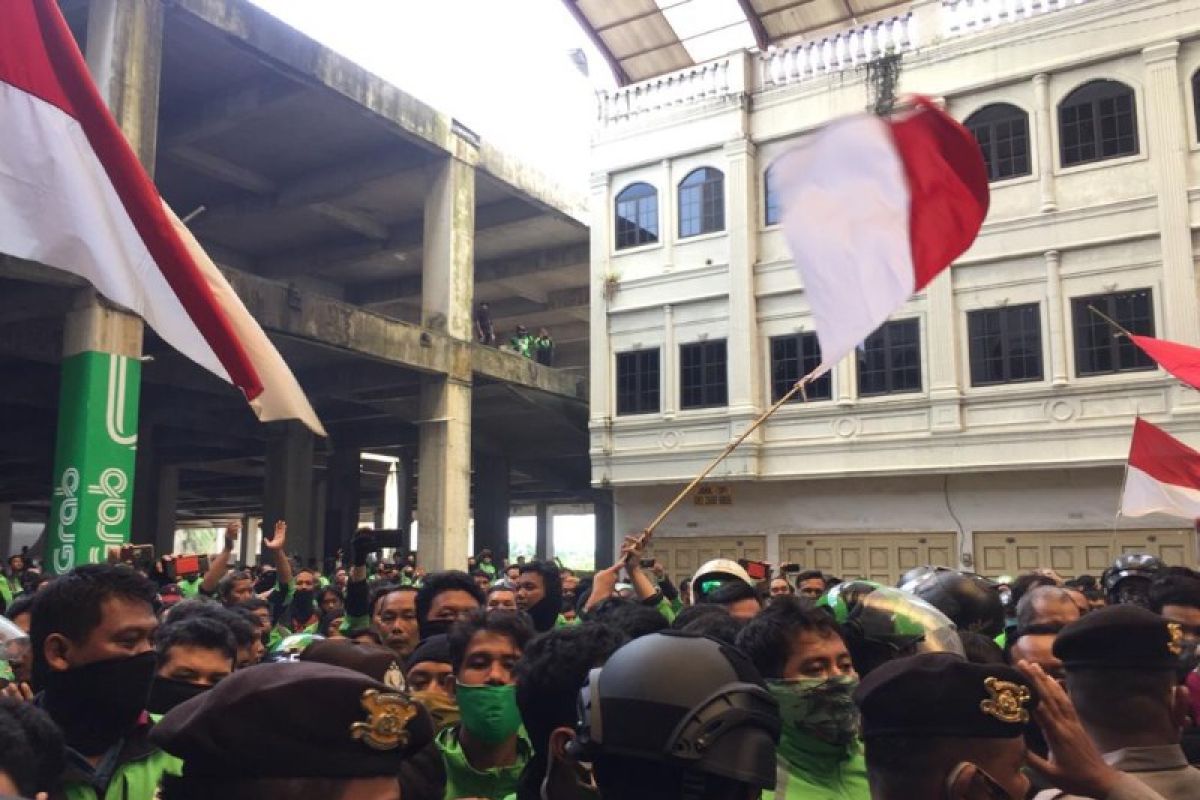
(406, 485)
(1166, 129)
(606, 546)
(165, 508)
(542, 548)
(287, 486)
(1043, 120)
(243, 545)
(447, 294)
(94, 460)
(491, 506)
(1056, 314)
(668, 213)
(6, 530)
(343, 484)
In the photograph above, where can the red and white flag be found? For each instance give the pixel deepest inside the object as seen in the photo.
(74, 196)
(1180, 360)
(1162, 477)
(873, 210)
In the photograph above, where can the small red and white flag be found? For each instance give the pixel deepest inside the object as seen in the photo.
(1162, 477)
(74, 196)
(873, 210)
(1180, 360)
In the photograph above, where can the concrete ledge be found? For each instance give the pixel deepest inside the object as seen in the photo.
(501, 365)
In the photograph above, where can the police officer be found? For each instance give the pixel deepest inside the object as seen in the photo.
(1122, 676)
(303, 729)
(938, 727)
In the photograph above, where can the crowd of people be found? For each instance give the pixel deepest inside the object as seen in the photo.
(374, 680)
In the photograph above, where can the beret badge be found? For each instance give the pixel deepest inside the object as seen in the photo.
(1175, 631)
(1006, 701)
(388, 718)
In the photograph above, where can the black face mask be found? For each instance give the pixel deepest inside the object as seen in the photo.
(265, 583)
(433, 627)
(302, 605)
(98, 703)
(166, 693)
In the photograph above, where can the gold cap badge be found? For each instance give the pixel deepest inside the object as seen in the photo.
(387, 725)
(1007, 700)
(1175, 631)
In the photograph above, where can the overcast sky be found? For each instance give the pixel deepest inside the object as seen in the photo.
(502, 67)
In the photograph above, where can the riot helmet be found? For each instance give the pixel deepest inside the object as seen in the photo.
(972, 602)
(1128, 579)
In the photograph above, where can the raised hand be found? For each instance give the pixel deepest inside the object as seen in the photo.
(231, 533)
(280, 538)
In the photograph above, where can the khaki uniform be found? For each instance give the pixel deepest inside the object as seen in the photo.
(1154, 772)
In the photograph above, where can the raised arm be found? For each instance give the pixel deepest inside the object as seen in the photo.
(220, 564)
(283, 575)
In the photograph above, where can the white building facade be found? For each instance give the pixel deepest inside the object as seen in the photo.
(985, 426)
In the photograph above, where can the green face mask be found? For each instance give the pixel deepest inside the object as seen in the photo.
(489, 712)
(819, 707)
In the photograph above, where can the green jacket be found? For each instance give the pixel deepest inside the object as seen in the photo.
(463, 780)
(809, 769)
(6, 592)
(189, 588)
(140, 767)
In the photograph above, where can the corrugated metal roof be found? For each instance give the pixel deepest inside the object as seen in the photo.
(642, 39)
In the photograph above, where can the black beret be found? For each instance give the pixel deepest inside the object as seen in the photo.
(1120, 637)
(294, 720)
(941, 694)
(434, 648)
(373, 660)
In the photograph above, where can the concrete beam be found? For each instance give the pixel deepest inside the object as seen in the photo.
(218, 114)
(498, 269)
(222, 170)
(296, 55)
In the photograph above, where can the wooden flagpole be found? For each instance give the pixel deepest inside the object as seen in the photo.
(648, 532)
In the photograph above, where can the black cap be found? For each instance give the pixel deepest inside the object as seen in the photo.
(942, 695)
(294, 720)
(1120, 637)
(435, 648)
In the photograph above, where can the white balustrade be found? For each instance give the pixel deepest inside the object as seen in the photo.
(704, 82)
(960, 17)
(838, 53)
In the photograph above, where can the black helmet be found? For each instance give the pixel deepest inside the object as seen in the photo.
(972, 602)
(684, 701)
(910, 578)
(1128, 579)
(879, 623)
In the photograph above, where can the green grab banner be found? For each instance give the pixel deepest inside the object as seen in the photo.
(94, 459)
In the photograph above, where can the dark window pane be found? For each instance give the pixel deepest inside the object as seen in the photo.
(1196, 100)
(1097, 121)
(637, 216)
(889, 361)
(702, 202)
(1005, 345)
(772, 210)
(1099, 348)
(793, 357)
(1002, 131)
(703, 377)
(637, 382)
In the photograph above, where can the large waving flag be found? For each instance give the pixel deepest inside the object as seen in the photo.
(1180, 360)
(74, 196)
(873, 210)
(1163, 475)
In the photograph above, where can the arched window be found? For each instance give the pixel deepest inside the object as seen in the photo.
(1003, 134)
(1097, 121)
(637, 215)
(702, 202)
(772, 208)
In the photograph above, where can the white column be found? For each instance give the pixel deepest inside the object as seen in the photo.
(1166, 130)
(941, 330)
(845, 376)
(669, 365)
(600, 348)
(1056, 317)
(745, 371)
(1043, 119)
(668, 200)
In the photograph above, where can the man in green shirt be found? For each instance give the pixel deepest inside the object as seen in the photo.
(808, 670)
(483, 755)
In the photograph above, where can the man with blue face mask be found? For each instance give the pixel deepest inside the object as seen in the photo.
(808, 671)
